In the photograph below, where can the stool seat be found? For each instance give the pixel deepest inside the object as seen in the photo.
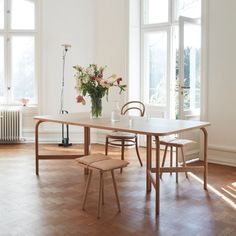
(109, 164)
(102, 163)
(176, 142)
(88, 160)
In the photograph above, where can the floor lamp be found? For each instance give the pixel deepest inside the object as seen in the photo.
(65, 137)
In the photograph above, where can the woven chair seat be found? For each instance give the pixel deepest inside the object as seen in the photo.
(120, 134)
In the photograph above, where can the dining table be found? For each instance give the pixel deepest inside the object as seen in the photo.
(152, 128)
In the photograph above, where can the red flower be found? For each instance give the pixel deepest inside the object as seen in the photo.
(118, 80)
(79, 99)
(93, 77)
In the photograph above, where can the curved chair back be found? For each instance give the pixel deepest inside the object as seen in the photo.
(133, 105)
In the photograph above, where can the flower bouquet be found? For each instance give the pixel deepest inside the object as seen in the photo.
(90, 81)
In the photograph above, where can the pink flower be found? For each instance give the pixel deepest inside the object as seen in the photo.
(105, 84)
(93, 77)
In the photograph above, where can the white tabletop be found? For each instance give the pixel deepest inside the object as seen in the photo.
(140, 125)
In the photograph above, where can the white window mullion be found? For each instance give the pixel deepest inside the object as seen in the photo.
(8, 68)
(168, 73)
(7, 51)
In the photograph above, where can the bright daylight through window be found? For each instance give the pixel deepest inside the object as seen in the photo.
(17, 51)
(167, 26)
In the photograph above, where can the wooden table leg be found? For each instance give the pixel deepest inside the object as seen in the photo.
(157, 175)
(205, 156)
(37, 147)
(148, 163)
(86, 145)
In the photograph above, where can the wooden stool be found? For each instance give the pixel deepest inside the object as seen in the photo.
(177, 143)
(102, 163)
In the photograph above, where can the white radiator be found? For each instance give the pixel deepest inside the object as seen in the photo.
(10, 125)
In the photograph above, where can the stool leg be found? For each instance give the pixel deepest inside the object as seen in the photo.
(171, 158)
(122, 151)
(164, 159)
(87, 189)
(184, 163)
(106, 147)
(136, 147)
(103, 192)
(177, 163)
(115, 188)
(100, 195)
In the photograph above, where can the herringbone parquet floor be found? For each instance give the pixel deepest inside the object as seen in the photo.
(51, 203)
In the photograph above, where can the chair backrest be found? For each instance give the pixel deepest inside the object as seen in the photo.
(133, 105)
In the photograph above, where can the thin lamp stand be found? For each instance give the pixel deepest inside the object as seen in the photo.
(65, 139)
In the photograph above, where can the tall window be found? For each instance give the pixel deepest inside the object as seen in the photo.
(160, 54)
(18, 33)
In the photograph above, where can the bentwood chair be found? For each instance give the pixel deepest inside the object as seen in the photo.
(125, 139)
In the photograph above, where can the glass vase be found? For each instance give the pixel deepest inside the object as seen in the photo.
(96, 107)
(115, 114)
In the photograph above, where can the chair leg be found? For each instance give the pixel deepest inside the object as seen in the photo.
(100, 195)
(122, 151)
(106, 146)
(164, 159)
(87, 189)
(184, 163)
(177, 164)
(136, 146)
(171, 158)
(115, 188)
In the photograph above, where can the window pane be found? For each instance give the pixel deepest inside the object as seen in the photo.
(23, 14)
(192, 62)
(1, 69)
(23, 68)
(155, 60)
(188, 8)
(155, 11)
(1, 14)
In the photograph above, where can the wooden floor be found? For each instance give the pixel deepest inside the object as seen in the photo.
(51, 203)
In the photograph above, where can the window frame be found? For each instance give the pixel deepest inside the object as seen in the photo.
(7, 33)
(168, 26)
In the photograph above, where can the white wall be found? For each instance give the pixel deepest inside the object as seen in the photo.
(64, 21)
(111, 44)
(222, 81)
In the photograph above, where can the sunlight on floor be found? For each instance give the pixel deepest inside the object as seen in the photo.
(226, 199)
(234, 190)
(231, 194)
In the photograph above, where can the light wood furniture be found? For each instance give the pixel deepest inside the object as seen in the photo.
(125, 139)
(139, 125)
(102, 163)
(177, 143)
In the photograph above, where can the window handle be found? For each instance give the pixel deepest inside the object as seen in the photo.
(185, 87)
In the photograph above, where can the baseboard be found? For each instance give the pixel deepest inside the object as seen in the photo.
(54, 136)
(222, 157)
